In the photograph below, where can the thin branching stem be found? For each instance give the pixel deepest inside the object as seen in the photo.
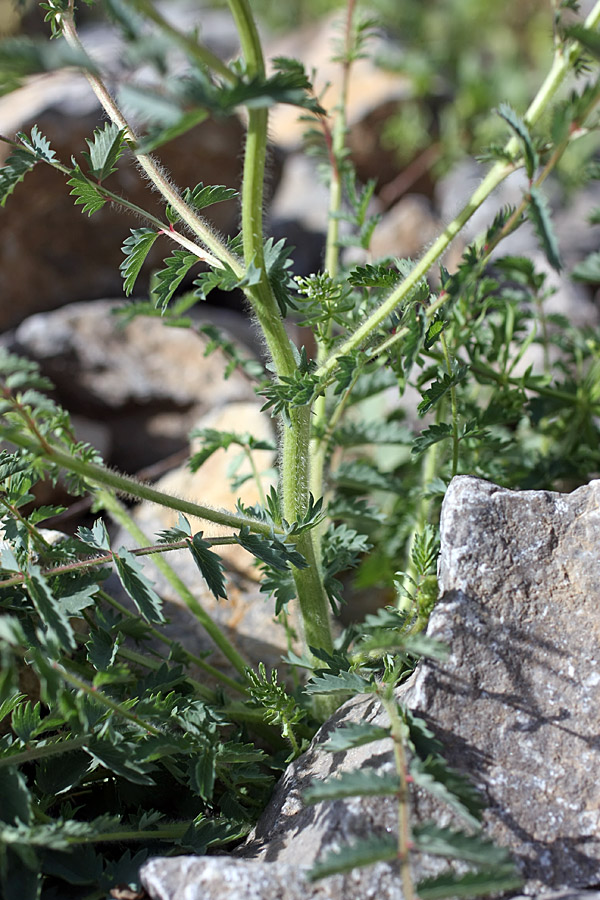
(219, 253)
(127, 486)
(404, 831)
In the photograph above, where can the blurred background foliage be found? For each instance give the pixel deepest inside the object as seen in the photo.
(464, 57)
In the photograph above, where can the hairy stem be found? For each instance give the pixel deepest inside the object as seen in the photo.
(295, 460)
(45, 751)
(404, 832)
(152, 169)
(453, 406)
(128, 486)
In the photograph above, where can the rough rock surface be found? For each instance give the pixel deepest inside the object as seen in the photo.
(516, 706)
(518, 703)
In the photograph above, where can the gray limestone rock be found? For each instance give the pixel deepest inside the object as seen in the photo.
(516, 706)
(518, 703)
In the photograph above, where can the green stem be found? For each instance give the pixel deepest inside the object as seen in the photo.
(116, 510)
(45, 751)
(332, 250)
(169, 832)
(104, 699)
(404, 832)
(128, 486)
(453, 406)
(295, 478)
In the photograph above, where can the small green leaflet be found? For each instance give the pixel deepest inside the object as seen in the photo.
(430, 838)
(278, 264)
(210, 565)
(12, 464)
(102, 649)
(362, 853)
(38, 145)
(472, 884)
(343, 683)
(8, 705)
(354, 735)
(203, 773)
(522, 132)
(539, 214)
(270, 550)
(168, 279)
(588, 269)
(86, 193)
(137, 586)
(373, 432)
(105, 149)
(433, 333)
(288, 85)
(14, 170)
(49, 609)
(183, 529)
(25, 720)
(362, 783)
(156, 137)
(212, 440)
(16, 799)
(205, 195)
(438, 779)
(96, 537)
(225, 279)
(136, 249)
(124, 759)
(434, 394)
(380, 275)
(432, 435)
(360, 475)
